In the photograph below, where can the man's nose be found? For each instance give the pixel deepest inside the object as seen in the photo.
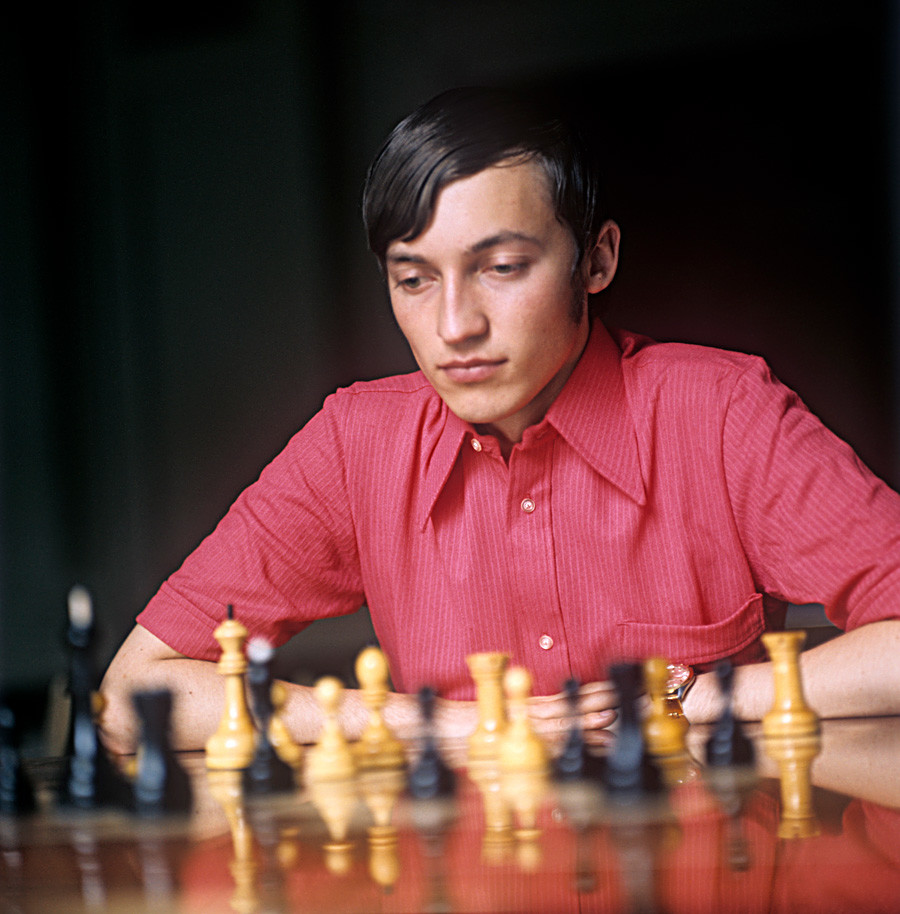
(461, 315)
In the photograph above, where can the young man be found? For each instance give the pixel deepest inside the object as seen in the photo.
(543, 486)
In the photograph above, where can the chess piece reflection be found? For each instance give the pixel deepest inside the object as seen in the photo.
(16, 793)
(641, 824)
(432, 790)
(380, 788)
(225, 786)
(731, 769)
(524, 767)
(791, 736)
(331, 778)
(487, 670)
(795, 756)
(231, 747)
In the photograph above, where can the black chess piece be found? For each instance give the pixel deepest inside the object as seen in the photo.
(630, 773)
(731, 770)
(161, 786)
(432, 785)
(89, 779)
(728, 744)
(430, 777)
(575, 762)
(16, 793)
(267, 772)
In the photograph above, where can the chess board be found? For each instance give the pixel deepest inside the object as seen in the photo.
(802, 832)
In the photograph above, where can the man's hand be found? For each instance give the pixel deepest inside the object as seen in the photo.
(551, 715)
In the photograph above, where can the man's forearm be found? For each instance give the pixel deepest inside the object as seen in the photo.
(853, 675)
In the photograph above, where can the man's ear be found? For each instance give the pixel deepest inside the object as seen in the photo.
(600, 262)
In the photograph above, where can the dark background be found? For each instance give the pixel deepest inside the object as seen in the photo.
(183, 275)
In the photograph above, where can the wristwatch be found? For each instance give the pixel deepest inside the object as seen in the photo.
(681, 678)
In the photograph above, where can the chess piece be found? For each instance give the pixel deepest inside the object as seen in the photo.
(791, 736)
(629, 774)
(16, 793)
(730, 769)
(521, 749)
(431, 784)
(524, 766)
(498, 840)
(576, 774)
(430, 777)
(331, 778)
(267, 773)
(231, 747)
(290, 752)
(161, 786)
(575, 763)
(790, 714)
(331, 758)
(665, 732)
(89, 779)
(728, 745)
(487, 670)
(377, 747)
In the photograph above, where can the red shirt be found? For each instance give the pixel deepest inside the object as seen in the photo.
(671, 502)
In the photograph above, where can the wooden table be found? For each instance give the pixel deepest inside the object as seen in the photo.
(822, 836)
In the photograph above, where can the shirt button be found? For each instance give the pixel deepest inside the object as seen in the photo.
(546, 642)
(476, 445)
(528, 505)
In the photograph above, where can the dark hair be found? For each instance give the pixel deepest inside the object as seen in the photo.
(460, 133)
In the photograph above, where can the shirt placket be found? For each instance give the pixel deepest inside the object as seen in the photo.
(542, 639)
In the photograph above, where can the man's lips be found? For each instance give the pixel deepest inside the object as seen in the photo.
(467, 371)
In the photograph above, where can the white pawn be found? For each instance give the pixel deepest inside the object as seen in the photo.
(521, 748)
(377, 747)
(331, 758)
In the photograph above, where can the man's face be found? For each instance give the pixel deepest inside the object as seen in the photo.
(491, 300)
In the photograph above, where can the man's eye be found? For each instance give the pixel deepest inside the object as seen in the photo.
(410, 283)
(506, 269)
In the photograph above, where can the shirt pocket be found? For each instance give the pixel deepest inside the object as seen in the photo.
(695, 644)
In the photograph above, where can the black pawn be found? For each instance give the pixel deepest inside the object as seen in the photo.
(267, 772)
(89, 779)
(16, 794)
(430, 777)
(162, 786)
(728, 744)
(630, 773)
(575, 762)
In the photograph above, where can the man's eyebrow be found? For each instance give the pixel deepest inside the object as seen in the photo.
(479, 246)
(404, 258)
(502, 238)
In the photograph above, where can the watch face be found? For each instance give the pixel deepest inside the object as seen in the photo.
(680, 674)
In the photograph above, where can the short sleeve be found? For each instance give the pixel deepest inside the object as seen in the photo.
(817, 526)
(284, 554)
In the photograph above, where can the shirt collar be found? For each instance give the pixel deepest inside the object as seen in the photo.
(591, 413)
